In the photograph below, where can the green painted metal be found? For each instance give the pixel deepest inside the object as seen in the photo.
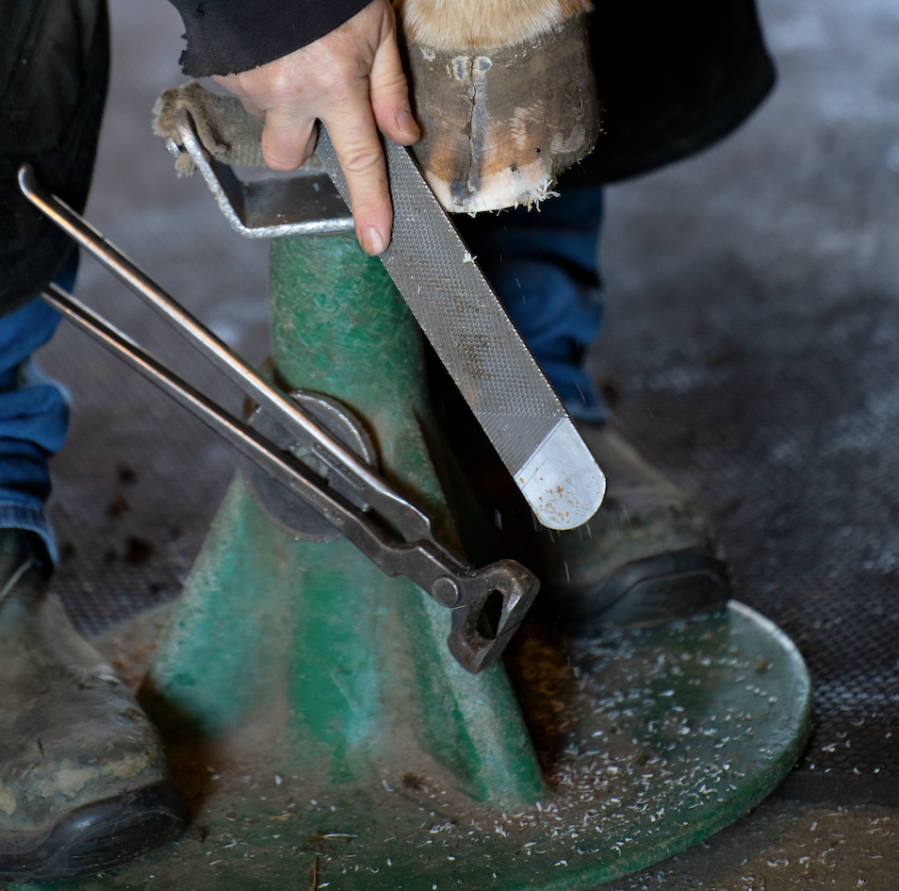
(667, 735)
(337, 666)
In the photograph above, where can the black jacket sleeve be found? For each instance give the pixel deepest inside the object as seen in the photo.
(673, 79)
(229, 36)
(54, 60)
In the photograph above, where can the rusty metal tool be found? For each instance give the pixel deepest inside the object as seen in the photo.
(487, 604)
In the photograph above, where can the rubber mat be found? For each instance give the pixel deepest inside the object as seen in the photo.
(134, 490)
(788, 435)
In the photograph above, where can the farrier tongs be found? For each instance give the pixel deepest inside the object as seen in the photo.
(477, 637)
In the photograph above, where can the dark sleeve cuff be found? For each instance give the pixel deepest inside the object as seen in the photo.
(229, 36)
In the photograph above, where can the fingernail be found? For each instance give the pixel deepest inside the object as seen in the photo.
(373, 242)
(407, 123)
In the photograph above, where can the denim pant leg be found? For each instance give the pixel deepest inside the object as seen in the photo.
(543, 267)
(33, 418)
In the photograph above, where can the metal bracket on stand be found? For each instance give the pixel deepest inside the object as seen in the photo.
(304, 204)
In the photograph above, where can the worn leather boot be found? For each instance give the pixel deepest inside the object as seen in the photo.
(84, 783)
(648, 556)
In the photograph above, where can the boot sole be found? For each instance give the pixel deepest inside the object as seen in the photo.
(95, 836)
(650, 591)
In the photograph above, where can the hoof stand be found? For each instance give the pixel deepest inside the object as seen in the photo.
(324, 736)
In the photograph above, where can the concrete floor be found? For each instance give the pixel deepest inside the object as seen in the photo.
(746, 252)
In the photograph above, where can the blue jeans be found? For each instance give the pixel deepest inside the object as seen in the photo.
(541, 263)
(34, 416)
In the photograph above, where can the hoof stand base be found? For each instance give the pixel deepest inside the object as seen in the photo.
(661, 737)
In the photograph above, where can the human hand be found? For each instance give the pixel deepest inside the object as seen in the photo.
(352, 80)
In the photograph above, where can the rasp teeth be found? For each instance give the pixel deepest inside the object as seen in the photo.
(481, 348)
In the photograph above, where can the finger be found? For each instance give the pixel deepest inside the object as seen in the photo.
(233, 85)
(355, 139)
(287, 141)
(390, 94)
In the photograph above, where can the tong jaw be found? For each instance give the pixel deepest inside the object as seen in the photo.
(478, 637)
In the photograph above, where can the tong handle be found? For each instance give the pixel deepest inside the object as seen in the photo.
(487, 604)
(412, 523)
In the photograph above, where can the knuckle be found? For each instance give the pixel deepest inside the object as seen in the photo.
(391, 88)
(361, 160)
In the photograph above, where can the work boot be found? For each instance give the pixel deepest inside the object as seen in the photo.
(648, 556)
(84, 782)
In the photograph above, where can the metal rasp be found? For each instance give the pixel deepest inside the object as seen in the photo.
(481, 348)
